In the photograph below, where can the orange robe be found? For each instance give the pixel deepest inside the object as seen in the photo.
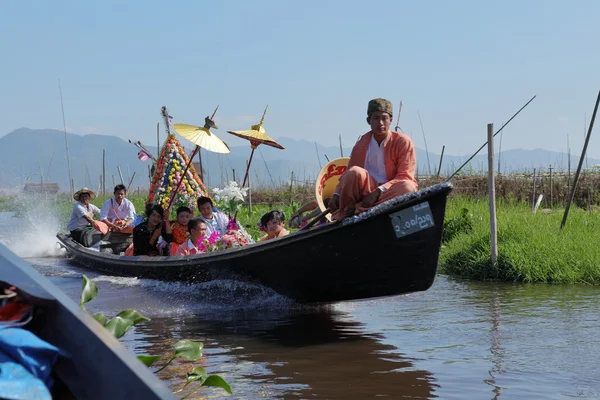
(400, 162)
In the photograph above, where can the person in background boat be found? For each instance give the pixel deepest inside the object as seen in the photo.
(147, 234)
(179, 229)
(118, 212)
(297, 220)
(216, 221)
(382, 165)
(84, 229)
(273, 223)
(197, 231)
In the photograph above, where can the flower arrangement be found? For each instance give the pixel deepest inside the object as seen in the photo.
(168, 173)
(210, 243)
(228, 197)
(234, 237)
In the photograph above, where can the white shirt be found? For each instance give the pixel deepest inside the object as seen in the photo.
(374, 162)
(218, 223)
(111, 210)
(77, 215)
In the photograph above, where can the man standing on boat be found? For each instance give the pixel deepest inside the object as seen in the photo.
(118, 212)
(382, 165)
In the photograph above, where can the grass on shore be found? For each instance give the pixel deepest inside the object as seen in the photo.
(531, 248)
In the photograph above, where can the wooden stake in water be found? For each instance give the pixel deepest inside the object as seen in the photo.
(576, 178)
(492, 195)
(550, 168)
(533, 196)
(120, 175)
(66, 141)
(103, 171)
(441, 158)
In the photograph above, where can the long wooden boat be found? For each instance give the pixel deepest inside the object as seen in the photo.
(390, 249)
(94, 364)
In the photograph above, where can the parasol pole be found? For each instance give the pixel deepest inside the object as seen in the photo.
(254, 146)
(186, 168)
(248, 166)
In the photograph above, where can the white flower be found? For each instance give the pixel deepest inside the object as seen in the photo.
(230, 192)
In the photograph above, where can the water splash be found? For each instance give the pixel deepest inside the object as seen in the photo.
(32, 233)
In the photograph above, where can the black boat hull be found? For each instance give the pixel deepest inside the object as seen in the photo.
(362, 257)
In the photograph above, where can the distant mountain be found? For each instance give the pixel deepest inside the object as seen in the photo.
(28, 155)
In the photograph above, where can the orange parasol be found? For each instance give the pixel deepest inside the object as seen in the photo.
(257, 135)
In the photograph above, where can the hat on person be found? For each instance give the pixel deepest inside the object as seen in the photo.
(382, 105)
(82, 191)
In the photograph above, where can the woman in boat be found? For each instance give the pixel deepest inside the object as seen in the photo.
(84, 229)
(216, 221)
(179, 229)
(197, 232)
(273, 223)
(146, 234)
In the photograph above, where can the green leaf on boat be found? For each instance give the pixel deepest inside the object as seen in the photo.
(197, 374)
(132, 315)
(118, 326)
(149, 360)
(89, 290)
(188, 349)
(217, 381)
(100, 318)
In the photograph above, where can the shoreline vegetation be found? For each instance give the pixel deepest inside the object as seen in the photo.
(531, 248)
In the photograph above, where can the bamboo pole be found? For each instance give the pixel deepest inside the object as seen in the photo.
(492, 195)
(533, 197)
(587, 140)
(104, 171)
(66, 141)
(482, 146)
(550, 168)
(318, 158)
(120, 175)
(130, 181)
(425, 140)
(441, 158)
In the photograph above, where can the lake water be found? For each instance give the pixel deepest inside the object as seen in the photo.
(458, 340)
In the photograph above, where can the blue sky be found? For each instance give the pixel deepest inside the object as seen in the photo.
(459, 64)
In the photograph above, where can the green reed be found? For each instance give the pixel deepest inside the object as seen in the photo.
(531, 248)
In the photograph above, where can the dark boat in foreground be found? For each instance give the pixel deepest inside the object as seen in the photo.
(390, 249)
(94, 364)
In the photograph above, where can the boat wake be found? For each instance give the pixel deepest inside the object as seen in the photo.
(215, 295)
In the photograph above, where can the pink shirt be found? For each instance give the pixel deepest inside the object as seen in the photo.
(187, 248)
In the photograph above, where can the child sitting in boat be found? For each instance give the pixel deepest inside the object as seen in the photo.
(179, 229)
(146, 234)
(197, 231)
(273, 223)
